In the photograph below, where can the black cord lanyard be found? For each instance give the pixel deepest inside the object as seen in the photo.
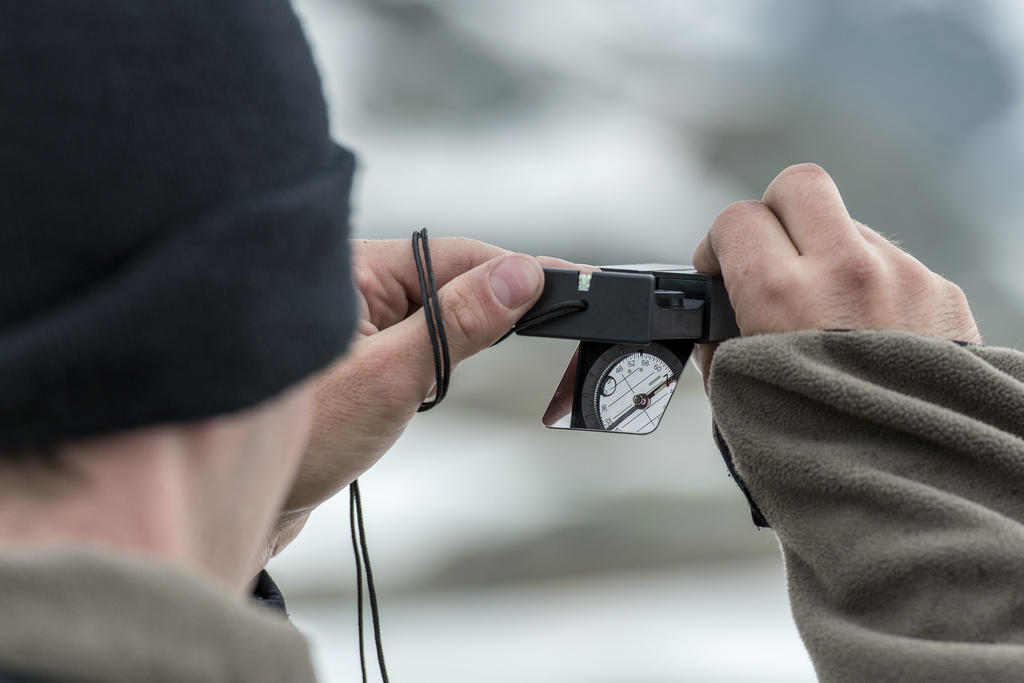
(362, 555)
(435, 324)
(442, 373)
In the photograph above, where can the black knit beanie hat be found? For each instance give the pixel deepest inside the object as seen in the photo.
(173, 214)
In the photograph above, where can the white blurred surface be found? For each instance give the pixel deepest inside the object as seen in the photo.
(714, 624)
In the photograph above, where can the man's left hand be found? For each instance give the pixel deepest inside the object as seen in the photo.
(366, 400)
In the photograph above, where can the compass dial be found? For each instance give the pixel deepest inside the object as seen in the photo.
(628, 387)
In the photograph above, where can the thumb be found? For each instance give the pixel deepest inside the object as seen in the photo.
(477, 308)
(701, 358)
(482, 304)
(365, 400)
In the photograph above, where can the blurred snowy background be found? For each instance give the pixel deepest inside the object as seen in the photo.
(614, 131)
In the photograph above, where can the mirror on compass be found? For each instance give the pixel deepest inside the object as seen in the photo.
(621, 388)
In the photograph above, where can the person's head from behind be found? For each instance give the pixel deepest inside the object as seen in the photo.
(174, 250)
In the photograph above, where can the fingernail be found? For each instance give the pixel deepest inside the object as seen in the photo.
(515, 280)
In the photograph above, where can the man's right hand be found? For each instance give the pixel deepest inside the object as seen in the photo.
(796, 260)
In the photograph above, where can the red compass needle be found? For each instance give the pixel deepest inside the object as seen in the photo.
(642, 400)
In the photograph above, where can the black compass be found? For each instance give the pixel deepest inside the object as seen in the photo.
(637, 326)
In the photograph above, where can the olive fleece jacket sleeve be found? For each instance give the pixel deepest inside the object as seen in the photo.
(891, 467)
